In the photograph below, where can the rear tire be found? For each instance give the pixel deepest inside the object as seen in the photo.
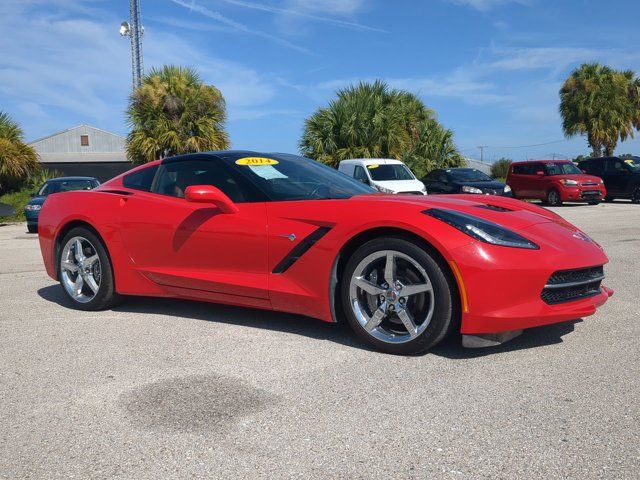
(635, 195)
(409, 304)
(84, 270)
(553, 198)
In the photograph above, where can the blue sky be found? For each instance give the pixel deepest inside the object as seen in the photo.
(490, 68)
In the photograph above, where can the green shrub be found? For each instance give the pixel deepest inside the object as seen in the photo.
(17, 200)
(500, 168)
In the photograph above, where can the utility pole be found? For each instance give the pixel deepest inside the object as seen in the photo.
(134, 31)
(482, 147)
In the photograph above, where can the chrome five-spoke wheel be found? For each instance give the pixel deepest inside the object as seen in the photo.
(391, 296)
(80, 269)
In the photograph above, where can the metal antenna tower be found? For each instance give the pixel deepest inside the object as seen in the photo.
(134, 31)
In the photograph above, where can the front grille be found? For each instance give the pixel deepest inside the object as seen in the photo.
(590, 193)
(491, 191)
(568, 285)
(589, 184)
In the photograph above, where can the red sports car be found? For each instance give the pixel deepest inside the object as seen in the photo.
(286, 233)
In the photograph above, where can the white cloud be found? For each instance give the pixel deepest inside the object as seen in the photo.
(311, 11)
(63, 68)
(484, 5)
(218, 17)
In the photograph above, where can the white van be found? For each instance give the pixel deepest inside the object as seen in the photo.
(385, 175)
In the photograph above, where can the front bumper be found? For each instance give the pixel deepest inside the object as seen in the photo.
(32, 216)
(504, 285)
(583, 194)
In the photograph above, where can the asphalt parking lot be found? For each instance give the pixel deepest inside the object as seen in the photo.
(168, 389)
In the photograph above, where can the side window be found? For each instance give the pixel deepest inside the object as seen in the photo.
(360, 174)
(443, 177)
(519, 169)
(140, 180)
(174, 177)
(434, 176)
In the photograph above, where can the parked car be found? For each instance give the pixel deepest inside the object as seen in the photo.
(383, 174)
(621, 176)
(554, 182)
(61, 184)
(286, 233)
(464, 180)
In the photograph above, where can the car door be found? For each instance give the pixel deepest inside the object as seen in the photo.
(193, 249)
(616, 177)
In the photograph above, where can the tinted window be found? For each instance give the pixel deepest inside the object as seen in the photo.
(469, 175)
(360, 174)
(298, 178)
(175, 176)
(522, 169)
(394, 171)
(140, 180)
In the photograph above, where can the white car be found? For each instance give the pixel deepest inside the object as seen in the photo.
(383, 174)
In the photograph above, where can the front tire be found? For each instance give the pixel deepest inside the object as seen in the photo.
(635, 195)
(553, 198)
(84, 270)
(396, 296)
(31, 228)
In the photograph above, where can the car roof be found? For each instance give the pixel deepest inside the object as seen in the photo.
(372, 161)
(541, 161)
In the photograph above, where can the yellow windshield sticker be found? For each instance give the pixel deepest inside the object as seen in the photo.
(372, 166)
(256, 161)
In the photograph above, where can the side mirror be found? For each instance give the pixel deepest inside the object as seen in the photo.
(212, 195)
(540, 173)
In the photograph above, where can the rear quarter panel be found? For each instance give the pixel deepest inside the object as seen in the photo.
(100, 210)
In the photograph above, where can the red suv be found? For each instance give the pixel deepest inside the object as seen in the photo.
(554, 181)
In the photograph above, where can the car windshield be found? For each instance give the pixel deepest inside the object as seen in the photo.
(394, 171)
(633, 162)
(565, 168)
(66, 186)
(289, 177)
(469, 175)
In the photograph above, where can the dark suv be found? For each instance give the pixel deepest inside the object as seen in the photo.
(621, 175)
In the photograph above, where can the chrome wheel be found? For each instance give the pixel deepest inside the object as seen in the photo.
(391, 296)
(80, 269)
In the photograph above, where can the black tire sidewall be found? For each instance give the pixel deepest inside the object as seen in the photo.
(443, 313)
(106, 295)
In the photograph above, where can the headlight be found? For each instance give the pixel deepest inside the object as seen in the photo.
(32, 208)
(569, 183)
(468, 189)
(507, 189)
(480, 229)
(384, 190)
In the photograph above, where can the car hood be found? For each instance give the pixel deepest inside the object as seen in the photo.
(36, 201)
(508, 212)
(401, 185)
(493, 184)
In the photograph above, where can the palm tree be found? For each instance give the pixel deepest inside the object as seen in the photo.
(17, 159)
(601, 103)
(371, 120)
(174, 112)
